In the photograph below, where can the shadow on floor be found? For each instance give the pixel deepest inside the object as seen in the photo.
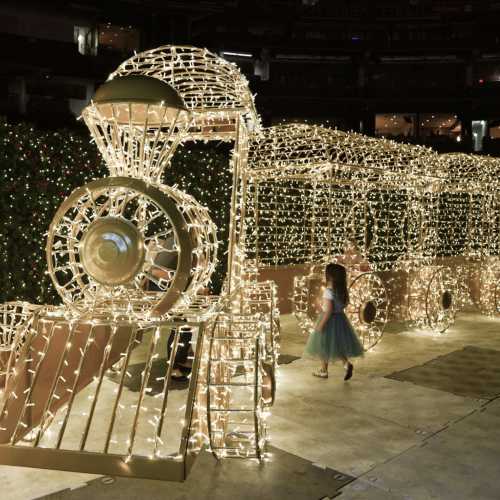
(158, 370)
(285, 476)
(470, 372)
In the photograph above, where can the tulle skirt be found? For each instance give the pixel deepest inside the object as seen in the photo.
(338, 340)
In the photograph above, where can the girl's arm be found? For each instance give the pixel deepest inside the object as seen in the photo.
(328, 310)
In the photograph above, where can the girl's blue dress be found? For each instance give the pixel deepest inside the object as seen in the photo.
(338, 339)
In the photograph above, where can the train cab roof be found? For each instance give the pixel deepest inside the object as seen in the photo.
(309, 152)
(213, 89)
(470, 173)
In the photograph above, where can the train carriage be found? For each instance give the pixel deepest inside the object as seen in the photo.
(389, 211)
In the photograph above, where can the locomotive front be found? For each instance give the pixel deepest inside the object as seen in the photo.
(131, 259)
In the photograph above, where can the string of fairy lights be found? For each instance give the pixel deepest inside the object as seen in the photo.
(314, 193)
(399, 217)
(136, 141)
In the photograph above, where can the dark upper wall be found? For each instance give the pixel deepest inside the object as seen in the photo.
(345, 60)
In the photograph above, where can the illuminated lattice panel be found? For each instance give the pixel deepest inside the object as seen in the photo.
(312, 189)
(61, 411)
(213, 89)
(470, 206)
(234, 382)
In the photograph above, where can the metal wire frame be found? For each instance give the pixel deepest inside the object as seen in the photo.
(235, 350)
(49, 399)
(211, 87)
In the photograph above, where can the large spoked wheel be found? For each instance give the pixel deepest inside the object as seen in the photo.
(103, 246)
(432, 297)
(368, 308)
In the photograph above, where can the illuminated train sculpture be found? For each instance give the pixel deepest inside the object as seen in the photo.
(301, 196)
(111, 242)
(417, 230)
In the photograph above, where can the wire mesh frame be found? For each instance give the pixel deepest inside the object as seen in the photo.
(39, 454)
(140, 150)
(207, 83)
(236, 349)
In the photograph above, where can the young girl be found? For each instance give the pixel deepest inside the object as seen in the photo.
(334, 338)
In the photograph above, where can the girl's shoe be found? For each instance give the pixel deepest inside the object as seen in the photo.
(320, 373)
(348, 371)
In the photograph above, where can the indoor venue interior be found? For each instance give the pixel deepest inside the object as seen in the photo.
(250, 250)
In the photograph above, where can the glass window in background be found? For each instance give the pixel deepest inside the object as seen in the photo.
(479, 132)
(440, 127)
(120, 38)
(86, 40)
(395, 125)
(494, 129)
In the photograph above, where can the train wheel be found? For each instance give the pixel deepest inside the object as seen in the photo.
(368, 308)
(432, 297)
(105, 239)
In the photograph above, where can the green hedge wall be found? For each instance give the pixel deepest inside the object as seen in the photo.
(38, 169)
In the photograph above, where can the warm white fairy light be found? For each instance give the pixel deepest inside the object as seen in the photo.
(315, 193)
(301, 195)
(137, 141)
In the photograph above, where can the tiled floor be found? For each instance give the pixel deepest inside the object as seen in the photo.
(400, 440)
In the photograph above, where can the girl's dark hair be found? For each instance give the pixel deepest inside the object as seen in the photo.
(338, 276)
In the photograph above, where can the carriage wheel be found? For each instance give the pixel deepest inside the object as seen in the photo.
(432, 297)
(103, 242)
(440, 299)
(368, 308)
